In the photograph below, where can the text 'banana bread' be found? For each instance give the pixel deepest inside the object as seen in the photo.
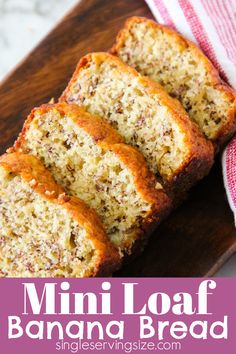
(43, 232)
(186, 73)
(145, 115)
(87, 157)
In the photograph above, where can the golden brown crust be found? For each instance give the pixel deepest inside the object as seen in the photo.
(200, 150)
(151, 191)
(105, 136)
(145, 181)
(33, 172)
(41, 181)
(109, 139)
(100, 129)
(229, 127)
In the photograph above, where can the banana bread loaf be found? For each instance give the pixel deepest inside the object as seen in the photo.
(45, 233)
(88, 158)
(181, 67)
(145, 115)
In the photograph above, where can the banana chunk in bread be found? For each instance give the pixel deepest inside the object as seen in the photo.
(186, 73)
(87, 157)
(145, 115)
(43, 232)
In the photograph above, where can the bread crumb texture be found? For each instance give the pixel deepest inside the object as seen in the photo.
(177, 64)
(90, 169)
(105, 90)
(39, 236)
(143, 113)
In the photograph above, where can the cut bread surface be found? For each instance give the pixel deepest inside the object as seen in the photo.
(45, 233)
(180, 66)
(87, 157)
(144, 114)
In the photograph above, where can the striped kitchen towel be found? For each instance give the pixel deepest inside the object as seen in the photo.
(211, 24)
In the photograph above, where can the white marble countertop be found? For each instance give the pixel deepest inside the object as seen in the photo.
(22, 24)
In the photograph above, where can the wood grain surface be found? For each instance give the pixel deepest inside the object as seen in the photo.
(200, 235)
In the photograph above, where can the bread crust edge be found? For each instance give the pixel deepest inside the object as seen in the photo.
(33, 172)
(229, 127)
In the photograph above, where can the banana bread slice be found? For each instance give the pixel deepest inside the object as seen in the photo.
(87, 157)
(43, 232)
(145, 115)
(186, 73)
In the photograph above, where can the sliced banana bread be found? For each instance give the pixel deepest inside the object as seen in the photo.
(145, 115)
(43, 232)
(87, 157)
(186, 73)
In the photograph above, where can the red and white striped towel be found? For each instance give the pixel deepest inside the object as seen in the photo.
(211, 24)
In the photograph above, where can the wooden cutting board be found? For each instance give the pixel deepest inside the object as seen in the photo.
(200, 235)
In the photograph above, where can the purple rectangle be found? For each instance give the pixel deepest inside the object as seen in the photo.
(122, 315)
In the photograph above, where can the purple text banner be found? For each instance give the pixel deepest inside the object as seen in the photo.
(120, 315)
